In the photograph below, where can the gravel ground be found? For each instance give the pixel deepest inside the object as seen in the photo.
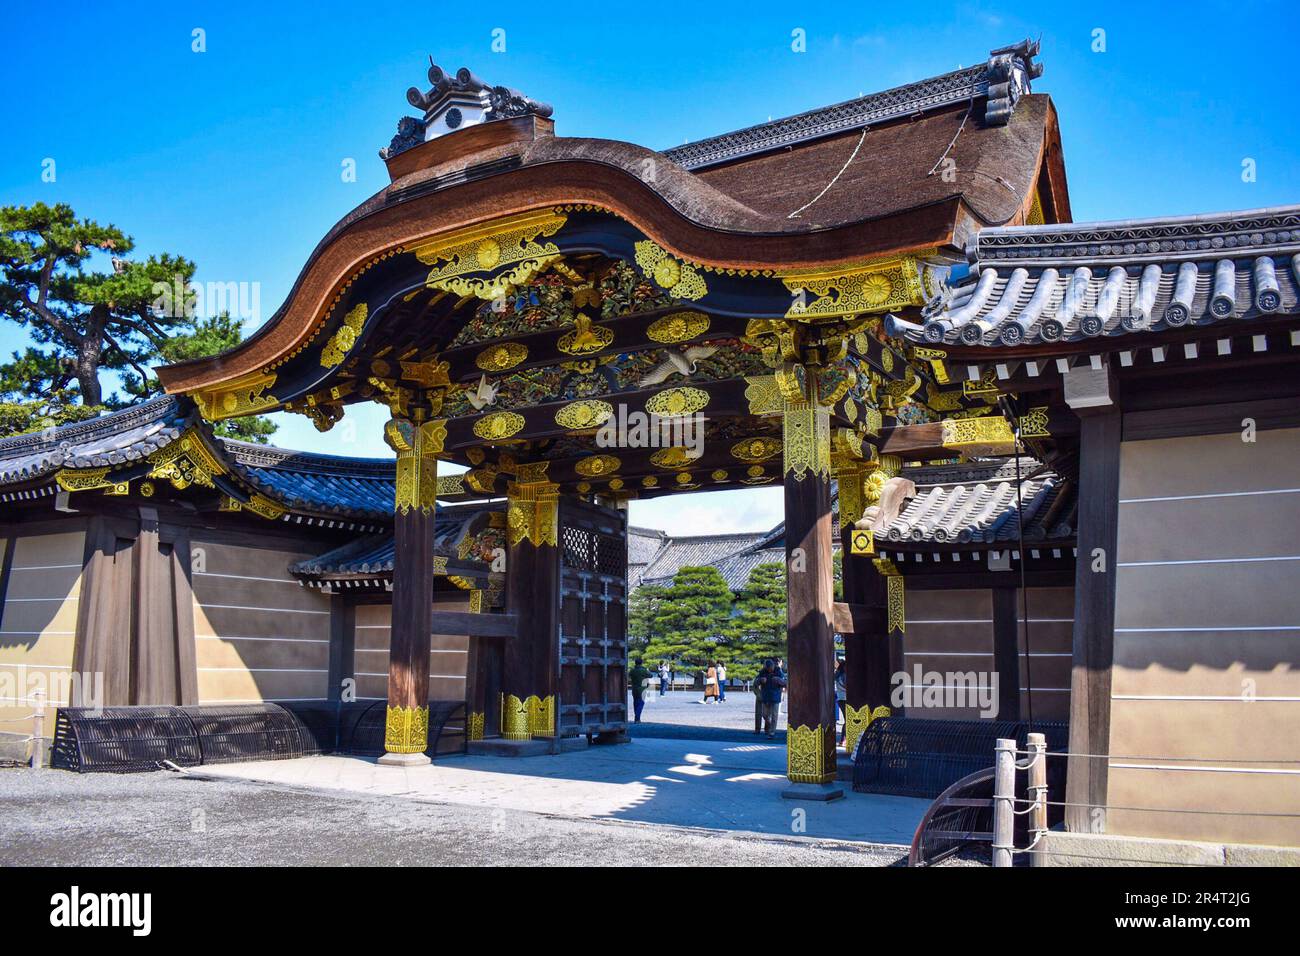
(53, 817)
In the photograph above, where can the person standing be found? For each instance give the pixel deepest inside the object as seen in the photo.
(663, 677)
(639, 678)
(711, 684)
(722, 683)
(771, 682)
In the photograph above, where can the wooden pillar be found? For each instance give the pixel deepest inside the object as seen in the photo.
(1094, 621)
(810, 743)
(406, 731)
(867, 663)
(343, 647)
(103, 640)
(1006, 650)
(532, 594)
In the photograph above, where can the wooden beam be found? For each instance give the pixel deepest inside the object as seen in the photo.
(1094, 621)
(474, 625)
(541, 349)
(857, 619)
(726, 399)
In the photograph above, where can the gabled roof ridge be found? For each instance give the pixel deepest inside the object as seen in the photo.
(124, 419)
(1003, 79)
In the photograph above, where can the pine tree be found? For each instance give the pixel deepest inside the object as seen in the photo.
(760, 625)
(691, 623)
(85, 316)
(642, 609)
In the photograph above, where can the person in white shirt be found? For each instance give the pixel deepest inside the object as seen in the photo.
(722, 683)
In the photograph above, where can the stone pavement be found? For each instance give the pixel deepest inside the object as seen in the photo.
(679, 710)
(56, 818)
(706, 785)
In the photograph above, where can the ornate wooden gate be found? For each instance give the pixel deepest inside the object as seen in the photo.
(593, 619)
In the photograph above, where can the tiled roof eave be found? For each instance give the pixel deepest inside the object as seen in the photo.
(1060, 286)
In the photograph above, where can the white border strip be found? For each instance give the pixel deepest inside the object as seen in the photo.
(1230, 698)
(1217, 494)
(1203, 769)
(1157, 564)
(243, 607)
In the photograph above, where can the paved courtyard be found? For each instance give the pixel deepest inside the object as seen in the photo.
(55, 818)
(705, 785)
(678, 793)
(682, 708)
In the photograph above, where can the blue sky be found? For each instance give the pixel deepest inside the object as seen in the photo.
(233, 156)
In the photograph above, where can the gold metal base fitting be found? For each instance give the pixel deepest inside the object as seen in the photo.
(474, 726)
(406, 730)
(810, 754)
(528, 718)
(857, 720)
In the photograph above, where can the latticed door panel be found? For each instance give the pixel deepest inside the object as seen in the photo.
(593, 616)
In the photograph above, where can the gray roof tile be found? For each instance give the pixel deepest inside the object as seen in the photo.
(1068, 283)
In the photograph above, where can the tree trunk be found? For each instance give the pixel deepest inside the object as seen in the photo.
(88, 355)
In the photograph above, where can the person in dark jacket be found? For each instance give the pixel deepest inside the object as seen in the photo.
(638, 677)
(768, 685)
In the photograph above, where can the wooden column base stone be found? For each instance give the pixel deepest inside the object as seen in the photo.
(404, 760)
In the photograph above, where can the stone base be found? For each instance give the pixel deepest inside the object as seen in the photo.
(405, 760)
(1059, 848)
(501, 747)
(823, 792)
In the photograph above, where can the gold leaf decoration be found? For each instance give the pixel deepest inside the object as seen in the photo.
(678, 327)
(588, 413)
(512, 242)
(763, 395)
(756, 449)
(807, 440)
(597, 465)
(673, 402)
(873, 287)
(498, 425)
(585, 337)
(344, 337)
(672, 457)
(681, 279)
(499, 358)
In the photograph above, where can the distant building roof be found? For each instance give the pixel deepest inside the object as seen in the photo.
(957, 505)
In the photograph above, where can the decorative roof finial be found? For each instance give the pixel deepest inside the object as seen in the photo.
(455, 102)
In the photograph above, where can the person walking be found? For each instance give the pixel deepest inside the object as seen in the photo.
(639, 678)
(841, 696)
(771, 682)
(663, 677)
(711, 685)
(722, 683)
